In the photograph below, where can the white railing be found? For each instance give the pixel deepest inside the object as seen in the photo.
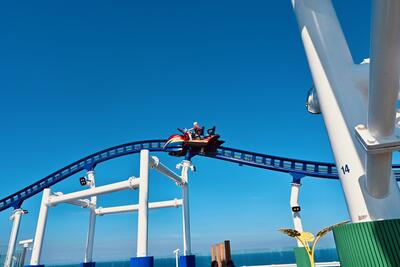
(318, 264)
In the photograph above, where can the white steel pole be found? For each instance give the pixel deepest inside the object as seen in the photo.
(176, 252)
(83, 203)
(142, 236)
(25, 245)
(185, 209)
(40, 228)
(294, 203)
(383, 90)
(131, 208)
(100, 190)
(155, 163)
(92, 220)
(344, 106)
(16, 218)
(23, 255)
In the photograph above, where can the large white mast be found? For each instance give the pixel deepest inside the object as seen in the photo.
(370, 189)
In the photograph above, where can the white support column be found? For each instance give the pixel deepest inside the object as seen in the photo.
(341, 87)
(142, 236)
(16, 218)
(187, 250)
(92, 220)
(40, 228)
(176, 252)
(25, 245)
(383, 90)
(295, 208)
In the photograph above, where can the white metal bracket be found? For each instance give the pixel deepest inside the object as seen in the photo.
(83, 203)
(133, 184)
(179, 166)
(191, 167)
(374, 145)
(21, 211)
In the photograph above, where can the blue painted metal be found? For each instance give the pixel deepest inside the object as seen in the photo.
(187, 261)
(275, 163)
(292, 166)
(88, 264)
(142, 261)
(189, 155)
(296, 177)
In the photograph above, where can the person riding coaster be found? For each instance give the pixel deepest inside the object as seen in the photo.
(193, 140)
(195, 132)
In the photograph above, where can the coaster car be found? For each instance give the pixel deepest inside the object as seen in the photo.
(193, 141)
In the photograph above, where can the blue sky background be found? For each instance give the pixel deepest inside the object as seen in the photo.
(80, 76)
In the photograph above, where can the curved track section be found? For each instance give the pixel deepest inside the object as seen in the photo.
(241, 157)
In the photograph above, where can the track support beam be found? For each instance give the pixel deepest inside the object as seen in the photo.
(16, 218)
(187, 248)
(88, 259)
(40, 229)
(295, 208)
(131, 208)
(142, 235)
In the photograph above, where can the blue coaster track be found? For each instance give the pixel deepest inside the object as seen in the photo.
(295, 167)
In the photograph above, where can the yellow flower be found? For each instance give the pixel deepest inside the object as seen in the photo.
(306, 237)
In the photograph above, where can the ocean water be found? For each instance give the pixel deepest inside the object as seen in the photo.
(240, 259)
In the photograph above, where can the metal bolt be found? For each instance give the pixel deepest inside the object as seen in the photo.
(360, 127)
(371, 140)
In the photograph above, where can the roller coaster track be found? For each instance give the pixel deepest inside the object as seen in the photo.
(292, 166)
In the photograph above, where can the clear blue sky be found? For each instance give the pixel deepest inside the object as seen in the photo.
(80, 76)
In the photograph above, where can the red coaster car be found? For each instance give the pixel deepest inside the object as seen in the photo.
(193, 141)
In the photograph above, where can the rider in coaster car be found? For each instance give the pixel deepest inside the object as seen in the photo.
(195, 132)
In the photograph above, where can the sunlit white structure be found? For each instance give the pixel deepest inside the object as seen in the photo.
(357, 94)
(16, 218)
(358, 104)
(140, 183)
